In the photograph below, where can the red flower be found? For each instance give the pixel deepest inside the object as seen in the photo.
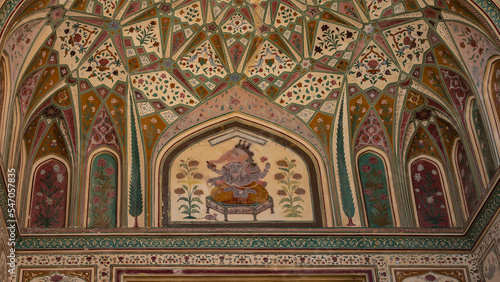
(109, 171)
(407, 40)
(96, 200)
(366, 168)
(263, 159)
(373, 160)
(473, 43)
(281, 192)
(372, 64)
(111, 194)
(102, 163)
(77, 37)
(383, 197)
(368, 191)
(103, 61)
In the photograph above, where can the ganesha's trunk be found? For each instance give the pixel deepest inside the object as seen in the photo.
(223, 158)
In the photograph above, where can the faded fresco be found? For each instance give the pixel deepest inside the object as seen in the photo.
(302, 127)
(249, 181)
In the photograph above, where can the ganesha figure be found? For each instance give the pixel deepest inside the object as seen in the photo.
(239, 182)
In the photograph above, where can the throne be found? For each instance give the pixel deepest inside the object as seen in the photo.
(226, 209)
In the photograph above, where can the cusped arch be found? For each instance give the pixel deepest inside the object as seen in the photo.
(244, 127)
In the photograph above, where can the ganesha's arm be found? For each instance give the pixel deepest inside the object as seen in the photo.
(261, 173)
(213, 168)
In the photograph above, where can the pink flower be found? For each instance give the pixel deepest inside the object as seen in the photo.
(96, 200)
(102, 162)
(373, 160)
(109, 171)
(368, 191)
(96, 174)
(383, 197)
(366, 168)
(111, 194)
(263, 159)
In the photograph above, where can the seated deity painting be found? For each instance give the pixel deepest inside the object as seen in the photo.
(238, 176)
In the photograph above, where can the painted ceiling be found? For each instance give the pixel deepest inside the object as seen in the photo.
(387, 99)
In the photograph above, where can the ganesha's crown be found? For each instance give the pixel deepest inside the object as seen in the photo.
(243, 145)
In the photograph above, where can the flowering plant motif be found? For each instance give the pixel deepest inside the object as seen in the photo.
(89, 108)
(428, 193)
(374, 184)
(103, 195)
(331, 39)
(146, 35)
(50, 198)
(474, 41)
(373, 66)
(189, 179)
(290, 191)
(104, 64)
(408, 43)
(76, 40)
(152, 130)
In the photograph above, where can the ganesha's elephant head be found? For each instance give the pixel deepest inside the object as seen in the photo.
(233, 155)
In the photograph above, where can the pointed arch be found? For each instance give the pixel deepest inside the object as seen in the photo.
(491, 98)
(469, 194)
(321, 197)
(480, 141)
(376, 180)
(49, 185)
(430, 190)
(102, 193)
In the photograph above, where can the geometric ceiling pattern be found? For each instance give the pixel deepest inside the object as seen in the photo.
(397, 76)
(307, 125)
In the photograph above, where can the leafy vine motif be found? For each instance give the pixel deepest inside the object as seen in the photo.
(189, 179)
(290, 191)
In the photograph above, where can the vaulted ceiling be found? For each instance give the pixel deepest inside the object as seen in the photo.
(385, 113)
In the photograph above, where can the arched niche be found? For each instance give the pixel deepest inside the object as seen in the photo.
(465, 178)
(187, 182)
(375, 179)
(480, 141)
(103, 195)
(49, 193)
(491, 98)
(429, 188)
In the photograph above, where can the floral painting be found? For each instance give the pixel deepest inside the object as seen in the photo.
(373, 176)
(429, 194)
(103, 189)
(48, 205)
